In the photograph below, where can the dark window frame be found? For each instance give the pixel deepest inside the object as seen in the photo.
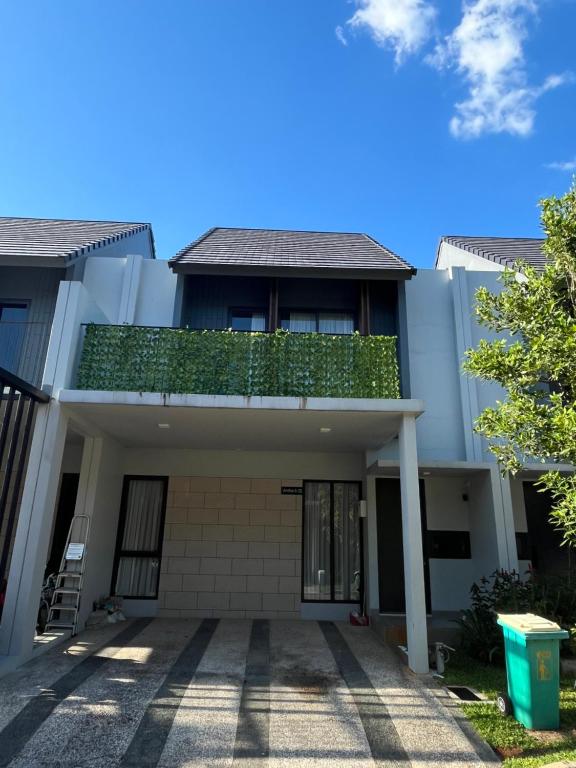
(284, 315)
(152, 554)
(332, 600)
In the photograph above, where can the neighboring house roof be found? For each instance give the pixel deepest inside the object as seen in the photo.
(501, 250)
(271, 251)
(59, 239)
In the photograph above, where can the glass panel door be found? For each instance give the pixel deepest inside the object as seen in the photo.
(346, 542)
(317, 549)
(139, 545)
(332, 552)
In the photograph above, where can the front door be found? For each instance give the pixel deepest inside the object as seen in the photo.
(331, 544)
(140, 533)
(390, 546)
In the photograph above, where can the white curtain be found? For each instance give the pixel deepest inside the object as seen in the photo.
(335, 322)
(258, 322)
(302, 322)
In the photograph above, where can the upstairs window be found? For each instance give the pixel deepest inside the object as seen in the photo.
(335, 323)
(247, 320)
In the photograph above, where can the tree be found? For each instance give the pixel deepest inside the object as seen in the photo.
(535, 362)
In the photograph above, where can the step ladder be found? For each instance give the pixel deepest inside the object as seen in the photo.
(63, 613)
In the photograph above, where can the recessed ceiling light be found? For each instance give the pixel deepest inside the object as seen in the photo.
(163, 426)
(426, 473)
(325, 429)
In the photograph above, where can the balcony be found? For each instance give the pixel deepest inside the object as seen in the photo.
(125, 358)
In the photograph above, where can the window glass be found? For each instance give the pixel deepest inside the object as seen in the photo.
(335, 322)
(346, 542)
(317, 567)
(246, 320)
(13, 313)
(300, 322)
(331, 546)
(318, 322)
(140, 538)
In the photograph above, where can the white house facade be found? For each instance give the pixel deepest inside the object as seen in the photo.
(271, 425)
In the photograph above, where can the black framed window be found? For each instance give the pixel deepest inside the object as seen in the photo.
(13, 316)
(331, 543)
(304, 321)
(247, 320)
(140, 535)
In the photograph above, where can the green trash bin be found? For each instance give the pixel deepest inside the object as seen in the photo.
(532, 648)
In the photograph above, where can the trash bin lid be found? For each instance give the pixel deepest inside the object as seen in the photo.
(527, 623)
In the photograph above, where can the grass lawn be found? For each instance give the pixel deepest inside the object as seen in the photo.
(519, 748)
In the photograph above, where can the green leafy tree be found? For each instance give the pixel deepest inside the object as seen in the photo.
(534, 359)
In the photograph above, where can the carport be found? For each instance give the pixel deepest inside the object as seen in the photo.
(175, 693)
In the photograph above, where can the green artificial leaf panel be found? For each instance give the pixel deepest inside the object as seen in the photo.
(178, 361)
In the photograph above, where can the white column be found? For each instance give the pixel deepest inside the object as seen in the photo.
(504, 520)
(412, 543)
(371, 545)
(30, 550)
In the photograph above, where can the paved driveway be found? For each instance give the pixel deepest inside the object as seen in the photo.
(175, 693)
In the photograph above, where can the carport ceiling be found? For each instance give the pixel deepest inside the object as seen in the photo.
(239, 428)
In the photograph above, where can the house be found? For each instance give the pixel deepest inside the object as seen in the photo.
(36, 255)
(273, 424)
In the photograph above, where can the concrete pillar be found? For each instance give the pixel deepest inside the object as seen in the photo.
(504, 520)
(416, 627)
(99, 492)
(371, 547)
(32, 539)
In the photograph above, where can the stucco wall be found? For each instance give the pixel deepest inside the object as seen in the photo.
(232, 548)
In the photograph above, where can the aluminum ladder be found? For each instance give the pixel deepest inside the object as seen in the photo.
(65, 606)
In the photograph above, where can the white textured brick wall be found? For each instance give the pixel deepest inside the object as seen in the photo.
(232, 548)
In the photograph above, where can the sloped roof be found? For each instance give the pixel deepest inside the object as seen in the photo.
(502, 250)
(270, 250)
(60, 239)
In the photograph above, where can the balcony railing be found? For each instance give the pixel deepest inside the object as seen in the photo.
(23, 349)
(179, 361)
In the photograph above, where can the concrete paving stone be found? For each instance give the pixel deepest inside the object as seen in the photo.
(93, 727)
(313, 720)
(312, 716)
(204, 729)
(19, 687)
(412, 707)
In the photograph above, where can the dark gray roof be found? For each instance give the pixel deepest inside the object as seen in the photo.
(61, 239)
(502, 250)
(280, 251)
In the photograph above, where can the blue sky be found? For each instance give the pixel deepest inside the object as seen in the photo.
(304, 114)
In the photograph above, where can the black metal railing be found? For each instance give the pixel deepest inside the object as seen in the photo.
(23, 348)
(18, 400)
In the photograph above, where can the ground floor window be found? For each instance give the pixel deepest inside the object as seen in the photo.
(331, 547)
(139, 541)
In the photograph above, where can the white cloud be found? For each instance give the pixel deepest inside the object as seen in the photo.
(569, 165)
(486, 48)
(403, 25)
(341, 36)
